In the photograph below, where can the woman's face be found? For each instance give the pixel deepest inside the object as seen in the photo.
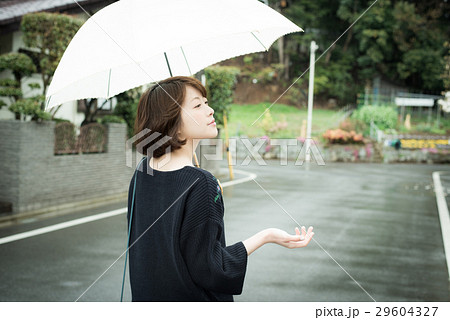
(196, 116)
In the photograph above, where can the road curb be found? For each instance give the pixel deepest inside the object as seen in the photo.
(62, 209)
(443, 216)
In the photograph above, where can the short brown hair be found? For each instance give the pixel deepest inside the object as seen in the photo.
(159, 109)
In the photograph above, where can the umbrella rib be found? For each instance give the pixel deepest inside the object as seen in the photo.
(168, 65)
(259, 41)
(190, 72)
(109, 81)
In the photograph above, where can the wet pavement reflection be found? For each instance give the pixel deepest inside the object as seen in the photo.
(378, 224)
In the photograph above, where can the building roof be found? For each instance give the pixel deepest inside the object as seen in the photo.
(11, 11)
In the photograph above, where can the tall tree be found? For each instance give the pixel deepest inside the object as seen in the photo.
(49, 35)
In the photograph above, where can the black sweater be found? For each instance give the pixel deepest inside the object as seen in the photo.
(177, 245)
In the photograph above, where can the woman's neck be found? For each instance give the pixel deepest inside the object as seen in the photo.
(176, 159)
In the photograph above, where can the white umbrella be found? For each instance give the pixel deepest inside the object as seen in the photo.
(133, 42)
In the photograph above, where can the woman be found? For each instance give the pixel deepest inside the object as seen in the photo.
(177, 245)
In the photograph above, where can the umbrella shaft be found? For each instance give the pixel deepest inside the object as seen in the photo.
(168, 65)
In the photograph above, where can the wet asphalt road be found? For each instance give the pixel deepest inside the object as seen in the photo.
(377, 237)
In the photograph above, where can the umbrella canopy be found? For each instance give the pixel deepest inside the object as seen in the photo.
(133, 42)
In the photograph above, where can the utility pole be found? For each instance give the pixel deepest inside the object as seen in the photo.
(312, 58)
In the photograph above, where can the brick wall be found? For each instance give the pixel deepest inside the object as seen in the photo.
(33, 178)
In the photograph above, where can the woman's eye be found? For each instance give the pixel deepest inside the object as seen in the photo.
(197, 106)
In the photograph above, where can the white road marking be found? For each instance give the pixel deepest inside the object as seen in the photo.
(249, 177)
(62, 225)
(100, 216)
(443, 216)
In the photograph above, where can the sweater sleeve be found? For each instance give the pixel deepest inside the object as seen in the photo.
(211, 264)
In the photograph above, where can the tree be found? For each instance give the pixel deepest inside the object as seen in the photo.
(220, 82)
(21, 66)
(445, 76)
(400, 40)
(126, 107)
(48, 34)
(420, 44)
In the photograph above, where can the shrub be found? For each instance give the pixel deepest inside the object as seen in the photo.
(423, 127)
(267, 123)
(31, 107)
(110, 119)
(342, 136)
(270, 126)
(126, 107)
(60, 120)
(384, 117)
(220, 83)
(350, 124)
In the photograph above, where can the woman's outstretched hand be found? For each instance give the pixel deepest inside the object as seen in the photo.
(280, 237)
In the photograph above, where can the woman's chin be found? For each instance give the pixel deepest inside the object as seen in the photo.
(214, 134)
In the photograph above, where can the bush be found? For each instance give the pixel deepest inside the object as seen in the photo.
(351, 124)
(220, 83)
(270, 126)
(31, 107)
(126, 107)
(60, 120)
(342, 136)
(423, 127)
(384, 117)
(110, 119)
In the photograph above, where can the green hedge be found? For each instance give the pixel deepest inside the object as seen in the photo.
(384, 117)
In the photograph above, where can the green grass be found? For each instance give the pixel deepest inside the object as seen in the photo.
(420, 124)
(241, 118)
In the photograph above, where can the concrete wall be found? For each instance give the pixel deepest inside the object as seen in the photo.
(33, 178)
(390, 155)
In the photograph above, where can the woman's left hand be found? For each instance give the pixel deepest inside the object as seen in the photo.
(282, 238)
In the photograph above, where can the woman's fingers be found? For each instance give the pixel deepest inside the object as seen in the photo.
(305, 238)
(302, 236)
(297, 237)
(300, 239)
